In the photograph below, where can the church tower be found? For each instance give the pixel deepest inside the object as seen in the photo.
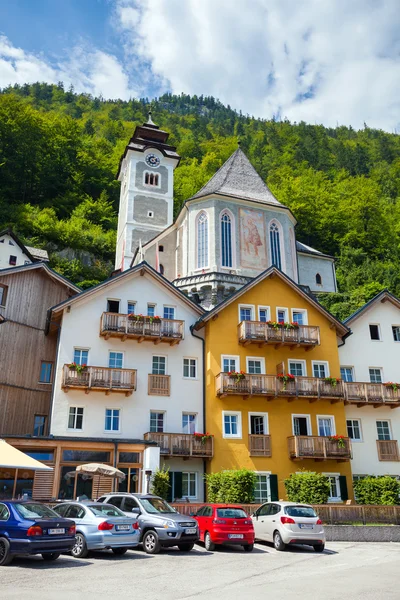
(146, 206)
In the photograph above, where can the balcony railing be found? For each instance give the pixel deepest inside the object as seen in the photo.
(388, 450)
(372, 393)
(125, 327)
(99, 379)
(258, 332)
(159, 385)
(259, 445)
(182, 444)
(318, 448)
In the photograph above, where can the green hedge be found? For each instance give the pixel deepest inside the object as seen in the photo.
(377, 490)
(160, 483)
(307, 487)
(236, 486)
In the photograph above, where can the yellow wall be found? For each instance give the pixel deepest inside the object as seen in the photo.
(222, 338)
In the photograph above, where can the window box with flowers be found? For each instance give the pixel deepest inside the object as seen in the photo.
(80, 369)
(203, 437)
(391, 385)
(338, 440)
(287, 379)
(332, 381)
(237, 376)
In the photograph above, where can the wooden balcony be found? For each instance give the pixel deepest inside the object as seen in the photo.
(182, 444)
(99, 379)
(388, 450)
(374, 394)
(170, 331)
(259, 445)
(159, 385)
(271, 386)
(318, 448)
(258, 332)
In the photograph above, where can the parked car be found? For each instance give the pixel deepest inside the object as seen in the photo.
(161, 526)
(285, 523)
(221, 524)
(100, 526)
(33, 528)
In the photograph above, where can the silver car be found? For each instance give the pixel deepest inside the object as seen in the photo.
(286, 523)
(100, 526)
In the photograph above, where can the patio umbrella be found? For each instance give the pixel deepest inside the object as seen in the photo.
(12, 458)
(100, 469)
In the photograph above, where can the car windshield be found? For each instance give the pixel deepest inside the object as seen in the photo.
(157, 505)
(105, 510)
(35, 511)
(231, 513)
(300, 511)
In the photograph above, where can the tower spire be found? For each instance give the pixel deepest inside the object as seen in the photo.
(149, 119)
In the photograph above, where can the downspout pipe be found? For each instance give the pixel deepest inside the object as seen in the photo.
(204, 399)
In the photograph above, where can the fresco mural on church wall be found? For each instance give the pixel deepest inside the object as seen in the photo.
(253, 254)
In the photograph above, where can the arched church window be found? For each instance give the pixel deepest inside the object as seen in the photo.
(151, 179)
(318, 279)
(202, 240)
(226, 240)
(275, 243)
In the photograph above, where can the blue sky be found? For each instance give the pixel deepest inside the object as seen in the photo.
(322, 61)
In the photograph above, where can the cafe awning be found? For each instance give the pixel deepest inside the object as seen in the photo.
(11, 458)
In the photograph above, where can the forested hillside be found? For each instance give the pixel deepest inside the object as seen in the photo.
(59, 153)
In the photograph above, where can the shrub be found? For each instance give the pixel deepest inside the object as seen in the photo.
(307, 487)
(377, 490)
(160, 483)
(236, 486)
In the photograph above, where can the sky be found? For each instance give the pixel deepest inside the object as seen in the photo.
(335, 62)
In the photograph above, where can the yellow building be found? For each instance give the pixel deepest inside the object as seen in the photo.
(261, 417)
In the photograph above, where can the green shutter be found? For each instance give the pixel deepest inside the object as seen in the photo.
(169, 493)
(343, 488)
(177, 484)
(273, 484)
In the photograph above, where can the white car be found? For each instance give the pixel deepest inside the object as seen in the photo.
(286, 523)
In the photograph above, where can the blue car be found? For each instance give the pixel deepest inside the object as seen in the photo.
(33, 528)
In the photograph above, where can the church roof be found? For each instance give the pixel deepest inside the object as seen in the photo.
(304, 249)
(238, 178)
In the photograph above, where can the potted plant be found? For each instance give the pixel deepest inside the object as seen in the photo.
(338, 439)
(285, 379)
(154, 319)
(78, 368)
(275, 324)
(391, 385)
(135, 318)
(203, 437)
(236, 375)
(332, 381)
(292, 325)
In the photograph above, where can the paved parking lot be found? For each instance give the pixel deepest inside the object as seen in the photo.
(345, 570)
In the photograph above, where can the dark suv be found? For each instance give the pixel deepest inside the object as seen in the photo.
(160, 525)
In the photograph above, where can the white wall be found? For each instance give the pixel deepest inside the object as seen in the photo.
(9, 248)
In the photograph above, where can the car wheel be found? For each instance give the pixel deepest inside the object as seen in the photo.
(185, 547)
(119, 551)
(51, 555)
(5, 556)
(209, 545)
(278, 543)
(80, 550)
(249, 548)
(319, 547)
(151, 543)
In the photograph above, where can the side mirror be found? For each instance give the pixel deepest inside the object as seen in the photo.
(255, 515)
(135, 511)
(192, 514)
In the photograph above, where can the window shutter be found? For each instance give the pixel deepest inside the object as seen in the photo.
(169, 493)
(177, 484)
(273, 484)
(343, 488)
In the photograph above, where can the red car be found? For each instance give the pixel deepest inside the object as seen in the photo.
(224, 524)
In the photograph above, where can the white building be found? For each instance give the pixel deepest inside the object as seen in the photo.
(371, 355)
(13, 253)
(144, 379)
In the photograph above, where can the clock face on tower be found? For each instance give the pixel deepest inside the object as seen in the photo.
(152, 160)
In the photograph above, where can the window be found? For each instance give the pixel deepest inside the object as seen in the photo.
(169, 312)
(275, 244)
(113, 306)
(202, 241)
(282, 315)
(263, 314)
(81, 356)
(262, 491)
(299, 317)
(326, 426)
(10, 243)
(318, 279)
(395, 330)
(230, 363)
(151, 179)
(115, 360)
(13, 260)
(39, 425)
(383, 429)
(232, 424)
(301, 424)
(189, 485)
(334, 493)
(258, 423)
(374, 332)
(131, 308)
(112, 419)
(151, 310)
(190, 368)
(320, 369)
(189, 422)
(255, 366)
(75, 418)
(150, 214)
(245, 313)
(46, 369)
(375, 375)
(156, 422)
(161, 269)
(159, 365)
(297, 368)
(161, 248)
(3, 294)
(226, 241)
(346, 374)
(354, 429)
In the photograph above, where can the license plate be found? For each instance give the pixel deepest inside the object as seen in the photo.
(305, 526)
(122, 527)
(56, 531)
(191, 530)
(235, 536)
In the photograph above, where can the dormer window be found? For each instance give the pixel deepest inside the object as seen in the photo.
(152, 179)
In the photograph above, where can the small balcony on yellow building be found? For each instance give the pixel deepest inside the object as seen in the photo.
(319, 448)
(388, 450)
(259, 445)
(263, 333)
(98, 379)
(183, 445)
(141, 328)
(375, 394)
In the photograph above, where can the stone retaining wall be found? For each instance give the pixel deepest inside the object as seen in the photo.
(362, 533)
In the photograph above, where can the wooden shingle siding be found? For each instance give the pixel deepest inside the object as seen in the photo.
(18, 407)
